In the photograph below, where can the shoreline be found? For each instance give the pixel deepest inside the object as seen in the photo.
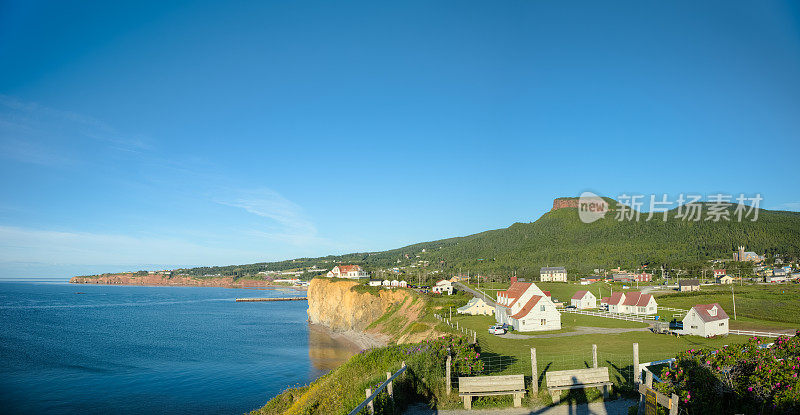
(225, 282)
(361, 340)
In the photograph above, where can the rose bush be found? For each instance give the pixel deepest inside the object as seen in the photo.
(751, 378)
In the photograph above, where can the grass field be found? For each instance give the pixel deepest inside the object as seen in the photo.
(757, 306)
(615, 351)
(563, 291)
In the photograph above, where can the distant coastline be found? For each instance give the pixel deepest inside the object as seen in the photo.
(130, 278)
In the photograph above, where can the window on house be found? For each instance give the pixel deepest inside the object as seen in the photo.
(694, 327)
(721, 324)
(544, 322)
(541, 308)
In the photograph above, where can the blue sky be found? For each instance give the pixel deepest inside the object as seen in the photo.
(144, 134)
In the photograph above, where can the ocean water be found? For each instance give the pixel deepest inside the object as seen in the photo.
(122, 349)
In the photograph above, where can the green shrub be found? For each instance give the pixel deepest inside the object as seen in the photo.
(749, 378)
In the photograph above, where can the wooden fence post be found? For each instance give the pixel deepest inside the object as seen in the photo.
(649, 379)
(594, 356)
(389, 389)
(637, 373)
(534, 373)
(474, 337)
(673, 405)
(370, 404)
(448, 379)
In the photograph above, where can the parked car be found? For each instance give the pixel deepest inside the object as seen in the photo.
(571, 307)
(497, 329)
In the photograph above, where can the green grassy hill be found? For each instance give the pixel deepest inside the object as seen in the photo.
(559, 238)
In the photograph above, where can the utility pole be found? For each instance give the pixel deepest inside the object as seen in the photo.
(734, 302)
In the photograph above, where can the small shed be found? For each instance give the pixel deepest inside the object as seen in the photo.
(725, 279)
(476, 307)
(374, 283)
(387, 283)
(706, 320)
(689, 285)
(584, 299)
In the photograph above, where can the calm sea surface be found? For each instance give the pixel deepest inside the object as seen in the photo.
(121, 349)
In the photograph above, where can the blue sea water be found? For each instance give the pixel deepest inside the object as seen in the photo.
(68, 348)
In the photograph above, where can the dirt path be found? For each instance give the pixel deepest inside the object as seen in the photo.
(579, 331)
(615, 407)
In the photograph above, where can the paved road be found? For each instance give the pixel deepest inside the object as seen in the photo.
(476, 293)
(579, 331)
(615, 407)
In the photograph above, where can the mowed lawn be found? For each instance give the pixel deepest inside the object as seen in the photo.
(563, 291)
(757, 306)
(615, 351)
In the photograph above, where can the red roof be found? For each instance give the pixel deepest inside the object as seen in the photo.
(528, 307)
(579, 295)
(703, 312)
(604, 300)
(636, 298)
(615, 299)
(547, 293)
(517, 289)
(348, 268)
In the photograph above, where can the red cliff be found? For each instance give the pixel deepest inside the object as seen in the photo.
(565, 202)
(161, 279)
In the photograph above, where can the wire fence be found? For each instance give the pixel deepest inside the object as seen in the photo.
(492, 365)
(620, 366)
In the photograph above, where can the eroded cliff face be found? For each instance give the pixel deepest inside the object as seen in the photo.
(333, 304)
(161, 279)
(390, 315)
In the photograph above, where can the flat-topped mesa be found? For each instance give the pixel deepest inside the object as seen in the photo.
(564, 202)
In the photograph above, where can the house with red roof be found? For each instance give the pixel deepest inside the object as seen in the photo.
(347, 271)
(632, 302)
(527, 308)
(583, 300)
(706, 320)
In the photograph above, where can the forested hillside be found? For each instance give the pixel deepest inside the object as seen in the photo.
(559, 238)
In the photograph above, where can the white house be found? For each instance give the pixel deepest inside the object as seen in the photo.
(476, 307)
(443, 286)
(584, 299)
(706, 320)
(386, 283)
(632, 302)
(403, 284)
(558, 274)
(526, 308)
(725, 279)
(374, 283)
(395, 283)
(347, 271)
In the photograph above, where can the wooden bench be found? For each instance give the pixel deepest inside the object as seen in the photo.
(491, 385)
(560, 380)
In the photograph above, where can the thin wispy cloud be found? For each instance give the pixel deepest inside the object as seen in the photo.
(37, 134)
(286, 221)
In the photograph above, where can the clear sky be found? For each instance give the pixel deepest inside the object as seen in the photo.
(159, 134)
